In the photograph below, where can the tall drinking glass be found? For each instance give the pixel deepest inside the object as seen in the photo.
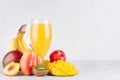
(40, 37)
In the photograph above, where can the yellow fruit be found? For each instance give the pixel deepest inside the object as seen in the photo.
(22, 46)
(13, 45)
(11, 69)
(62, 68)
(45, 61)
(18, 42)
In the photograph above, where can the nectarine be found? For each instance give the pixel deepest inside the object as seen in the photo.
(27, 62)
(57, 55)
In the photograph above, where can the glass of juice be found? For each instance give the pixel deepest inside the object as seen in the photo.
(40, 36)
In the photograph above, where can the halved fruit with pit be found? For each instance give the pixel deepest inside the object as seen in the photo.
(11, 69)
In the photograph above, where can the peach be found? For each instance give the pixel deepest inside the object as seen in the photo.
(27, 62)
(11, 69)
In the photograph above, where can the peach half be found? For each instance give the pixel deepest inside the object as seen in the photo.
(11, 69)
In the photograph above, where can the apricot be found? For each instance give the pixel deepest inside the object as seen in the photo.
(11, 69)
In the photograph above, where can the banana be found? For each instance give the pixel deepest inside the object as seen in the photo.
(13, 45)
(21, 43)
(24, 43)
(18, 42)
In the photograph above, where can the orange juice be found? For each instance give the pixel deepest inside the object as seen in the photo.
(40, 36)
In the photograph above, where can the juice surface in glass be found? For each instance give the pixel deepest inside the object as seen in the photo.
(40, 36)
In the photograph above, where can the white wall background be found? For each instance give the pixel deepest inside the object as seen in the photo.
(84, 29)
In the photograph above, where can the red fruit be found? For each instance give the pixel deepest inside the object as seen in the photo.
(27, 62)
(12, 56)
(57, 55)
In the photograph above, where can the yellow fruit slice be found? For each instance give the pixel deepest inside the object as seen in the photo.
(62, 68)
(11, 69)
(45, 61)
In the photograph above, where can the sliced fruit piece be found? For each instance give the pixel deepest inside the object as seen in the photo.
(62, 68)
(45, 62)
(11, 69)
(40, 70)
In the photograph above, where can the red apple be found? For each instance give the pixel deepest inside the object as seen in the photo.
(57, 55)
(12, 56)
